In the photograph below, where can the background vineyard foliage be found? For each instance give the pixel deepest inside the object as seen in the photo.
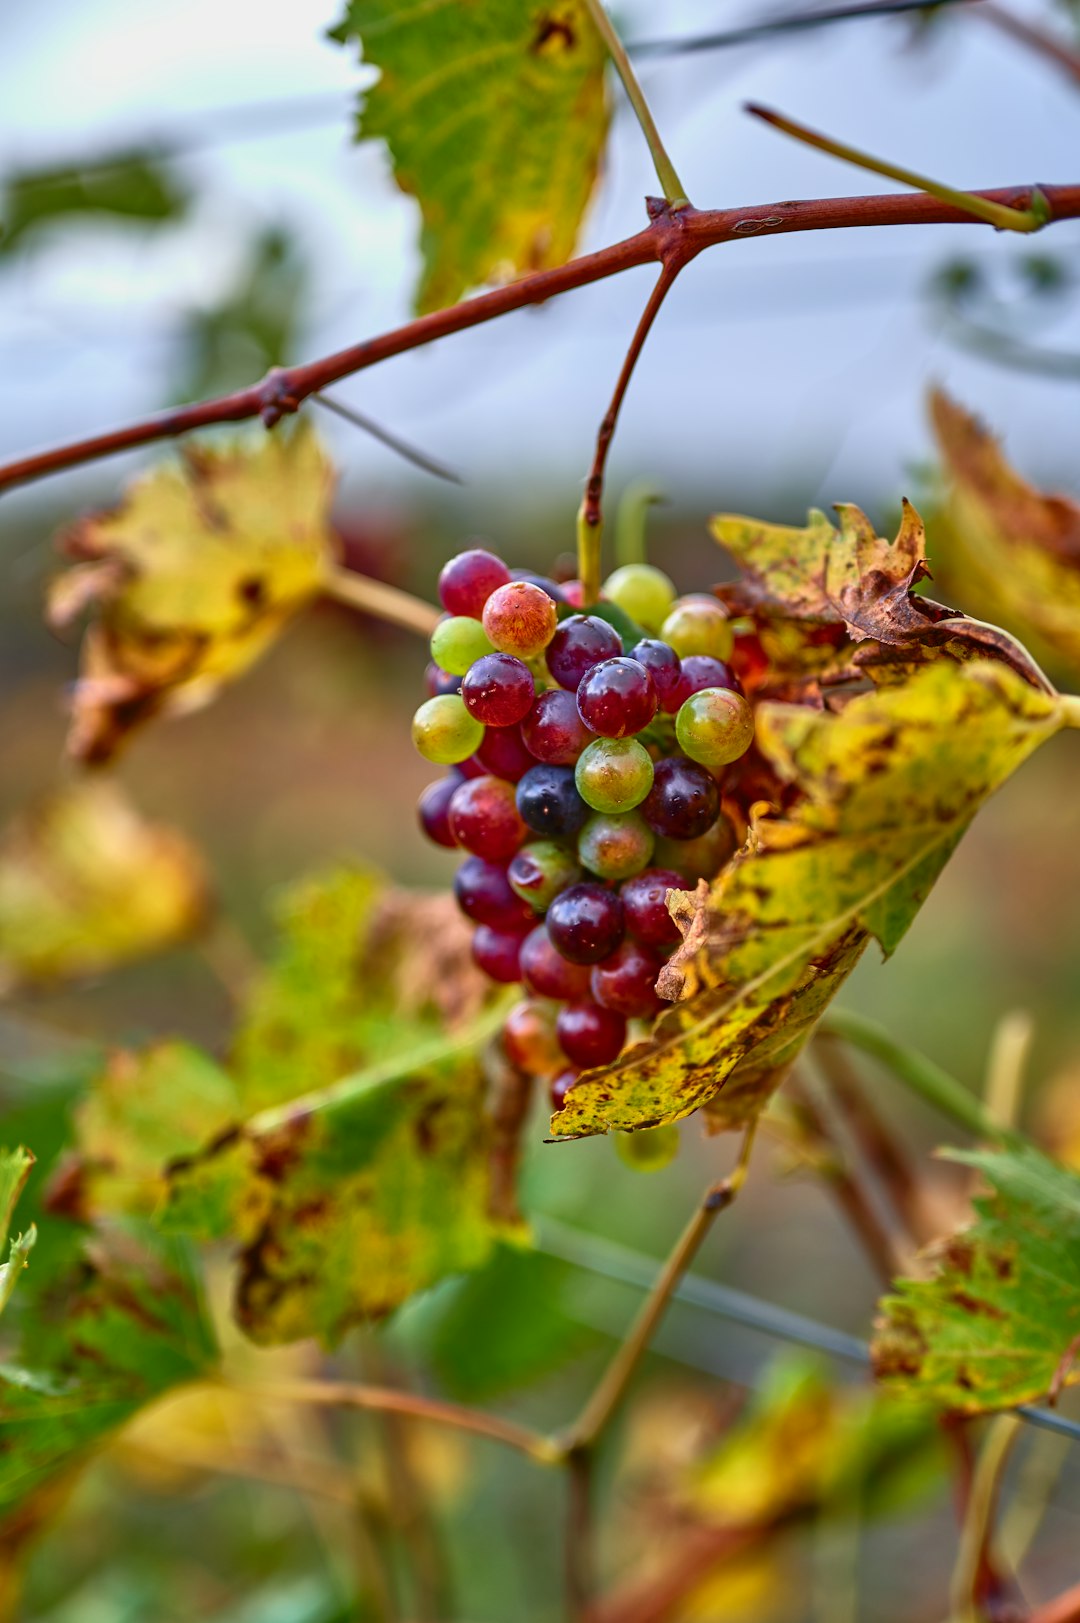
(275, 780)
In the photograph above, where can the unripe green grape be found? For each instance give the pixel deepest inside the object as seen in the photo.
(614, 774)
(616, 846)
(715, 726)
(540, 870)
(701, 858)
(644, 593)
(459, 642)
(650, 1149)
(443, 730)
(698, 625)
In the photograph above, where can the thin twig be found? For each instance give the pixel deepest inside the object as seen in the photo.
(420, 459)
(975, 1577)
(351, 1395)
(1032, 218)
(384, 602)
(878, 1143)
(794, 22)
(1009, 1049)
(284, 390)
(616, 1378)
(577, 1540)
(1048, 45)
(591, 517)
(672, 187)
(1064, 1608)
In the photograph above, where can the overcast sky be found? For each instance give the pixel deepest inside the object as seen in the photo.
(800, 360)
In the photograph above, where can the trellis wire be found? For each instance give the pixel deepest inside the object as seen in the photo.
(598, 1255)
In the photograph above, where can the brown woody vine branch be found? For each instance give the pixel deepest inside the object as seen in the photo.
(672, 234)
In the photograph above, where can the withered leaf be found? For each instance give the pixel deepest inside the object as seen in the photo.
(192, 577)
(87, 884)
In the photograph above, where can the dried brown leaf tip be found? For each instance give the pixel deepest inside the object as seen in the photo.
(190, 580)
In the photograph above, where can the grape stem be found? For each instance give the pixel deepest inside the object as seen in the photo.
(1070, 709)
(384, 602)
(673, 188)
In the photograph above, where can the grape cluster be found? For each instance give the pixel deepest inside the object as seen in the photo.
(584, 784)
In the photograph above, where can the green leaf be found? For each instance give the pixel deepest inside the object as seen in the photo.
(997, 1322)
(121, 1324)
(1015, 550)
(348, 1152)
(135, 186)
(86, 884)
(14, 1170)
(885, 788)
(193, 577)
(495, 115)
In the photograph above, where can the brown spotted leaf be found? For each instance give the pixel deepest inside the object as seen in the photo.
(886, 788)
(192, 578)
(86, 884)
(853, 578)
(1016, 550)
(347, 1150)
(998, 1322)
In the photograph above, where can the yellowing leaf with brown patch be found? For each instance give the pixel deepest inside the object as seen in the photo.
(853, 577)
(496, 116)
(86, 884)
(192, 577)
(1015, 551)
(886, 788)
(998, 1322)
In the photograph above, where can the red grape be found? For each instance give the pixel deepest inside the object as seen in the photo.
(561, 1087)
(590, 1035)
(468, 580)
(520, 619)
(503, 754)
(553, 730)
(643, 899)
(497, 953)
(433, 809)
(498, 690)
(683, 801)
(585, 923)
(701, 671)
(664, 666)
(626, 982)
(617, 698)
(485, 895)
(579, 643)
(546, 972)
(529, 1040)
(484, 818)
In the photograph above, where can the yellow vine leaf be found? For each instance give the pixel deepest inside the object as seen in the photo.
(886, 788)
(191, 578)
(86, 883)
(496, 116)
(1016, 549)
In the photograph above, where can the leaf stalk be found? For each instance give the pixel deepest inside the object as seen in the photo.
(672, 186)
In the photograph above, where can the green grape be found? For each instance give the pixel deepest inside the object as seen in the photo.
(616, 846)
(701, 858)
(443, 730)
(540, 870)
(715, 726)
(614, 774)
(698, 625)
(459, 642)
(650, 1149)
(644, 593)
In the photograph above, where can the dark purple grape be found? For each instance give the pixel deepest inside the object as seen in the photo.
(437, 681)
(590, 1035)
(617, 698)
(433, 809)
(585, 923)
(549, 803)
(547, 973)
(497, 953)
(468, 580)
(701, 671)
(553, 730)
(561, 1087)
(626, 982)
(644, 904)
(683, 801)
(579, 643)
(504, 755)
(484, 818)
(664, 666)
(485, 895)
(545, 583)
(498, 690)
